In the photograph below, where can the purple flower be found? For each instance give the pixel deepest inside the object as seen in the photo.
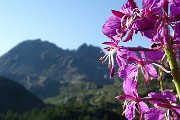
(111, 26)
(131, 70)
(156, 20)
(126, 19)
(165, 107)
(128, 15)
(112, 49)
(132, 99)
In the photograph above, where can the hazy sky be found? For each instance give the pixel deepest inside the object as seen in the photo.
(67, 23)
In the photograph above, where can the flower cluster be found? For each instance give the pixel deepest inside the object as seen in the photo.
(159, 21)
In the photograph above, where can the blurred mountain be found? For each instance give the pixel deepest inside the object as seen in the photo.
(15, 97)
(43, 68)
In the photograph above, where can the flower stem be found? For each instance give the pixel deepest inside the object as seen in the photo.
(161, 85)
(161, 77)
(161, 80)
(174, 67)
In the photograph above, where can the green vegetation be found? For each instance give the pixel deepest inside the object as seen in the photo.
(82, 101)
(74, 111)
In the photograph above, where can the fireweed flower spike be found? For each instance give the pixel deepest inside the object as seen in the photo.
(131, 98)
(159, 21)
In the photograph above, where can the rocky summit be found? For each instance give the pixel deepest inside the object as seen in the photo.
(43, 68)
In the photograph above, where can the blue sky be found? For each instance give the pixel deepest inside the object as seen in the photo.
(67, 23)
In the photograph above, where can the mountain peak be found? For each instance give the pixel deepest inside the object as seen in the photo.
(34, 46)
(40, 66)
(35, 42)
(82, 47)
(85, 47)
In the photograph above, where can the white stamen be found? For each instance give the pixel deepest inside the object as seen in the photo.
(162, 67)
(109, 56)
(167, 115)
(122, 20)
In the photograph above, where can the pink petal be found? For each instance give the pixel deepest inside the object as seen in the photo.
(129, 36)
(132, 3)
(143, 106)
(154, 114)
(130, 86)
(151, 70)
(129, 71)
(130, 111)
(118, 13)
(146, 75)
(142, 55)
(169, 96)
(125, 97)
(155, 55)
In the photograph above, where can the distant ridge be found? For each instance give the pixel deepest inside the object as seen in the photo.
(43, 68)
(15, 97)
